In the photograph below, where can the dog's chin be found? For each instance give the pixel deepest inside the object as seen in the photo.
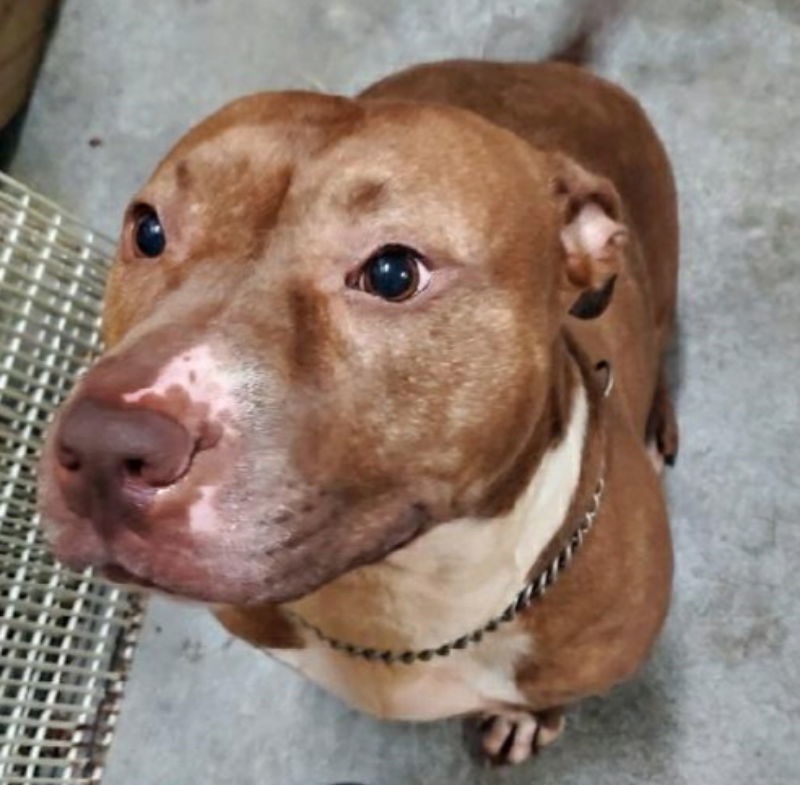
(274, 589)
(201, 590)
(180, 574)
(185, 575)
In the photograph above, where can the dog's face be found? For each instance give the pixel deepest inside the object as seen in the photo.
(330, 325)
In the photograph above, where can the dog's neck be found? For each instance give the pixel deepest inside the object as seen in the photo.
(460, 574)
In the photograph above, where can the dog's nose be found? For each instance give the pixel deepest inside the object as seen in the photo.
(110, 455)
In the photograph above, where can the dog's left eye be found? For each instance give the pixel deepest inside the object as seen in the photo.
(148, 233)
(395, 273)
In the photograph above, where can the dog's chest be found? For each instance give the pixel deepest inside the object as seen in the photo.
(467, 681)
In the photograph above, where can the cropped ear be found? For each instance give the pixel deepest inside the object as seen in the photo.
(592, 238)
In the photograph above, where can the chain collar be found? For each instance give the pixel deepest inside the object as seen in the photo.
(529, 593)
(532, 591)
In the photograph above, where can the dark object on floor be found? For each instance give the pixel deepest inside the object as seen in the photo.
(24, 29)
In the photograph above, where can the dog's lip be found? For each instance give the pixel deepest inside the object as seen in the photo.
(119, 574)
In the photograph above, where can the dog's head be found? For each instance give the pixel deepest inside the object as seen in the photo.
(330, 325)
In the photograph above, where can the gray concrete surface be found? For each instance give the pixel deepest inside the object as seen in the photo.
(720, 700)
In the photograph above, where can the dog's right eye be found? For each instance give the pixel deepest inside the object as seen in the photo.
(148, 233)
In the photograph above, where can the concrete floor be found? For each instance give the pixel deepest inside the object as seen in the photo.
(720, 700)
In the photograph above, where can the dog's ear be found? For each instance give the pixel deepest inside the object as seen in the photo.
(592, 237)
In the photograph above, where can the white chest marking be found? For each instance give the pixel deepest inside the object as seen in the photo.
(444, 584)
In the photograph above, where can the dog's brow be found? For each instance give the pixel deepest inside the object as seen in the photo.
(183, 177)
(366, 196)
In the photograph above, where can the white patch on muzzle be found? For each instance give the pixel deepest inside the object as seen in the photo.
(196, 372)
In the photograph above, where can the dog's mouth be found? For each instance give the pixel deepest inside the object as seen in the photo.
(225, 572)
(116, 573)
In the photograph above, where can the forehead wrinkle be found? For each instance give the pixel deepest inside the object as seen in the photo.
(183, 176)
(366, 195)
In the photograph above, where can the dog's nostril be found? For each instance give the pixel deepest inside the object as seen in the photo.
(133, 467)
(68, 458)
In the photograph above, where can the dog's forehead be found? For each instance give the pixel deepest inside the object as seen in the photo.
(295, 119)
(234, 148)
(411, 148)
(355, 172)
(415, 173)
(403, 141)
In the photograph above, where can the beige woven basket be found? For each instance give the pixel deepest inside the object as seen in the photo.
(65, 639)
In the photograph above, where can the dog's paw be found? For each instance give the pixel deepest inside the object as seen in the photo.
(512, 737)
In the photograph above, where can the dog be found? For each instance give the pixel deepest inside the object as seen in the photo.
(383, 385)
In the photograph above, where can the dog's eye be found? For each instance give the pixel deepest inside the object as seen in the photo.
(148, 233)
(395, 273)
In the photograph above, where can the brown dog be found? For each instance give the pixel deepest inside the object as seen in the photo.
(350, 393)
